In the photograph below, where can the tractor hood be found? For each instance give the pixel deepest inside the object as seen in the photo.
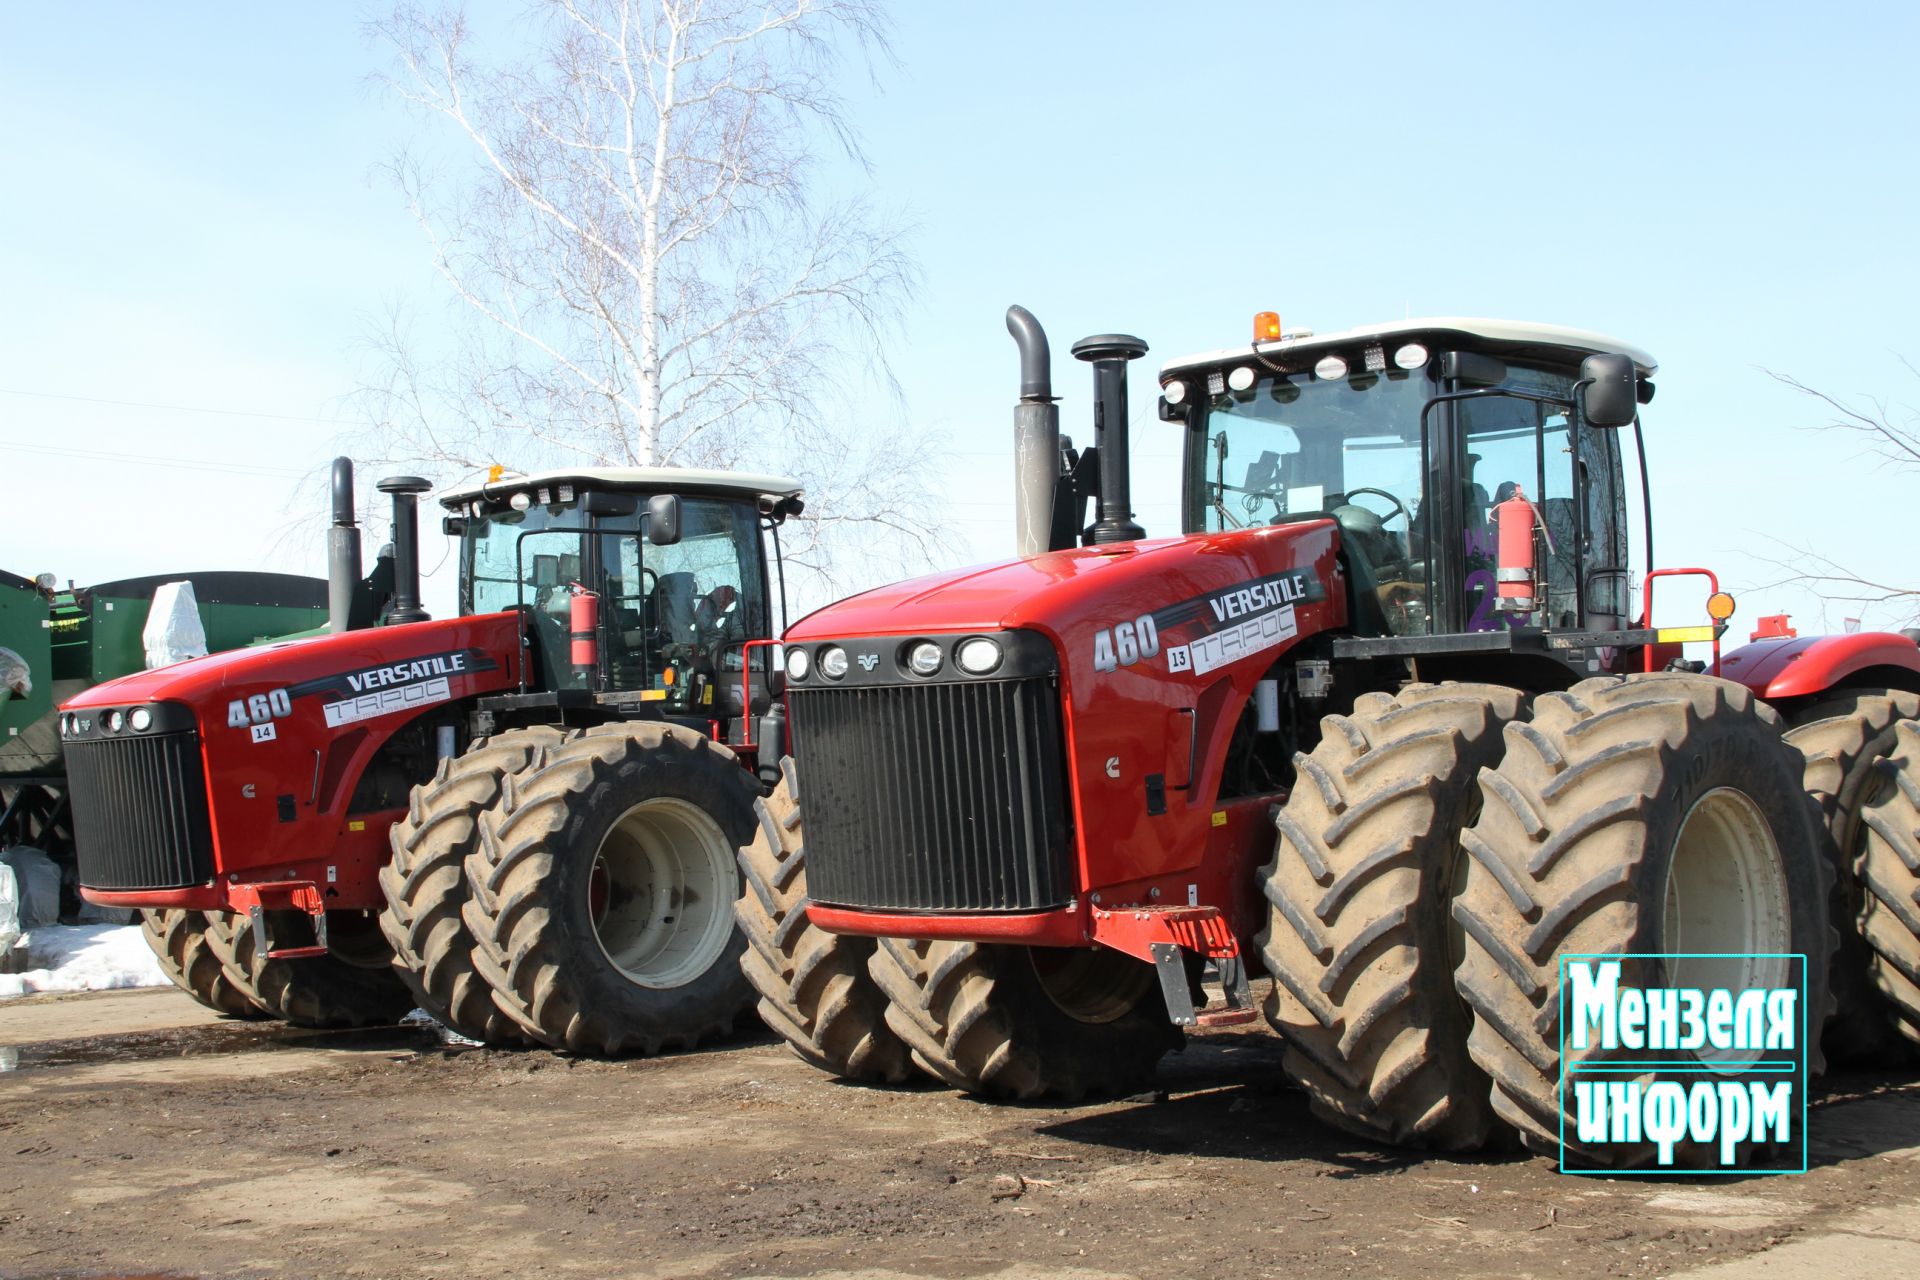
(1052, 591)
(292, 662)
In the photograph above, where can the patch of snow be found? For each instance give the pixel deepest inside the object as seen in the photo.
(84, 957)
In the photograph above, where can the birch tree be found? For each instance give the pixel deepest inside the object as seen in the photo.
(620, 197)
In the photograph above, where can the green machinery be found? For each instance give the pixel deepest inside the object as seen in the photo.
(62, 641)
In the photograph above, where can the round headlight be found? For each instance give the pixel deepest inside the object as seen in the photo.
(798, 664)
(66, 725)
(1330, 368)
(977, 656)
(1411, 356)
(833, 662)
(924, 658)
(1241, 378)
(115, 721)
(141, 719)
(1175, 392)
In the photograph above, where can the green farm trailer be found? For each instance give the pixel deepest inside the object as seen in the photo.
(56, 642)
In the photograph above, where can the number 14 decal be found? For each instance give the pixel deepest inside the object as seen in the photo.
(1125, 644)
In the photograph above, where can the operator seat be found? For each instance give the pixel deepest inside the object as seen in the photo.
(676, 599)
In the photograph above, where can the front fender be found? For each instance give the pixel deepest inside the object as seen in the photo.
(1796, 666)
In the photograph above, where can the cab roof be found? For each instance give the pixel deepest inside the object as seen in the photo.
(1516, 337)
(732, 484)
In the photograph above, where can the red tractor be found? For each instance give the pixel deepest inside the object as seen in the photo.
(1383, 723)
(522, 819)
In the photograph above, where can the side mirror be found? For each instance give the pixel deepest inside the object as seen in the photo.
(454, 526)
(1608, 397)
(663, 519)
(546, 571)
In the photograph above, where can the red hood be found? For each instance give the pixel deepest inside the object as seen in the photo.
(283, 662)
(1018, 593)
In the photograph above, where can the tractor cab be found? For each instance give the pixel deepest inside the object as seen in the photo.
(1423, 441)
(637, 585)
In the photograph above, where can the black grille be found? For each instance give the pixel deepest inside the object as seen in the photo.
(934, 796)
(140, 811)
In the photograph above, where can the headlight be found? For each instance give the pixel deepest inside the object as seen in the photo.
(115, 721)
(141, 719)
(924, 658)
(1175, 392)
(833, 662)
(978, 656)
(66, 725)
(798, 664)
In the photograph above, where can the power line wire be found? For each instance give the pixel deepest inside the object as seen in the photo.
(176, 408)
(150, 460)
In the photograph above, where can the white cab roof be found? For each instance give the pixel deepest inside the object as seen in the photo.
(651, 479)
(1517, 333)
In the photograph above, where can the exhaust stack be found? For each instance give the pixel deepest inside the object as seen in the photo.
(1036, 437)
(343, 550)
(406, 491)
(1109, 354)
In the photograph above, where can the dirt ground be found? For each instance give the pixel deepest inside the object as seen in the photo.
(139, 1136)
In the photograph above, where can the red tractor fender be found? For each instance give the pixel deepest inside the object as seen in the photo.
(1798, 666)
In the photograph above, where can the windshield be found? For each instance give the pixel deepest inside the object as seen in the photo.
(1298, 447)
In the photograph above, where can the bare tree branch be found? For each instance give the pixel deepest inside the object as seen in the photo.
(1890, 433)
(641, 273)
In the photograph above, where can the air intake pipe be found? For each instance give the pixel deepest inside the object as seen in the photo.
(1036, 436)
(1109, 353)
(343, 550)
(406, 491)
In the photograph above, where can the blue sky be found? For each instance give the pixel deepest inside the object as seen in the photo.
(189, 219)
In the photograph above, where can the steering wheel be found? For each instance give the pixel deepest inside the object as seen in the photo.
(1398, 508)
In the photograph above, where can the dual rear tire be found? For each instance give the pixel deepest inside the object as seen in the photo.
(1653, 814)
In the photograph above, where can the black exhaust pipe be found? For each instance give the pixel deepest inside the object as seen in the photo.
(1109, 354)
(343, 550)
(1036, 436)
(406, 491)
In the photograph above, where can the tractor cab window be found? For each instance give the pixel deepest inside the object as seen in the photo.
(1293, 446)
(1518, 447)
(679, 615)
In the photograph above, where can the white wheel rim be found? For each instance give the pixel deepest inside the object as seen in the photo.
(660, 897)
(1725, 912)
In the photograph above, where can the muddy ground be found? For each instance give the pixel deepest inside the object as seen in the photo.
(139, 1136)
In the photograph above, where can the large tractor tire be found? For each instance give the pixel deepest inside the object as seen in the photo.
(814, 986)
(1845, 741)
(1890, 871)
(1026, 1022)
(426, 885)
(179, 941)
(1359, 939)
(1645, 814)
(602, 891)
(314, 991)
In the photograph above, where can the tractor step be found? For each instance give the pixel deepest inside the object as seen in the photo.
(297, 953)
(1166, 936)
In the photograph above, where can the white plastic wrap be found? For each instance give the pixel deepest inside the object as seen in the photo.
(173, 632)
(15, 678)
(9, 908)
(37, 884)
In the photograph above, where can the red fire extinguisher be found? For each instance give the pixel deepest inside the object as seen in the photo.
(1515, 563)
(583, 621)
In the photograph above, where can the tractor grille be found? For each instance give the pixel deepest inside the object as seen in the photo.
(934, 796)
(140, 812)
